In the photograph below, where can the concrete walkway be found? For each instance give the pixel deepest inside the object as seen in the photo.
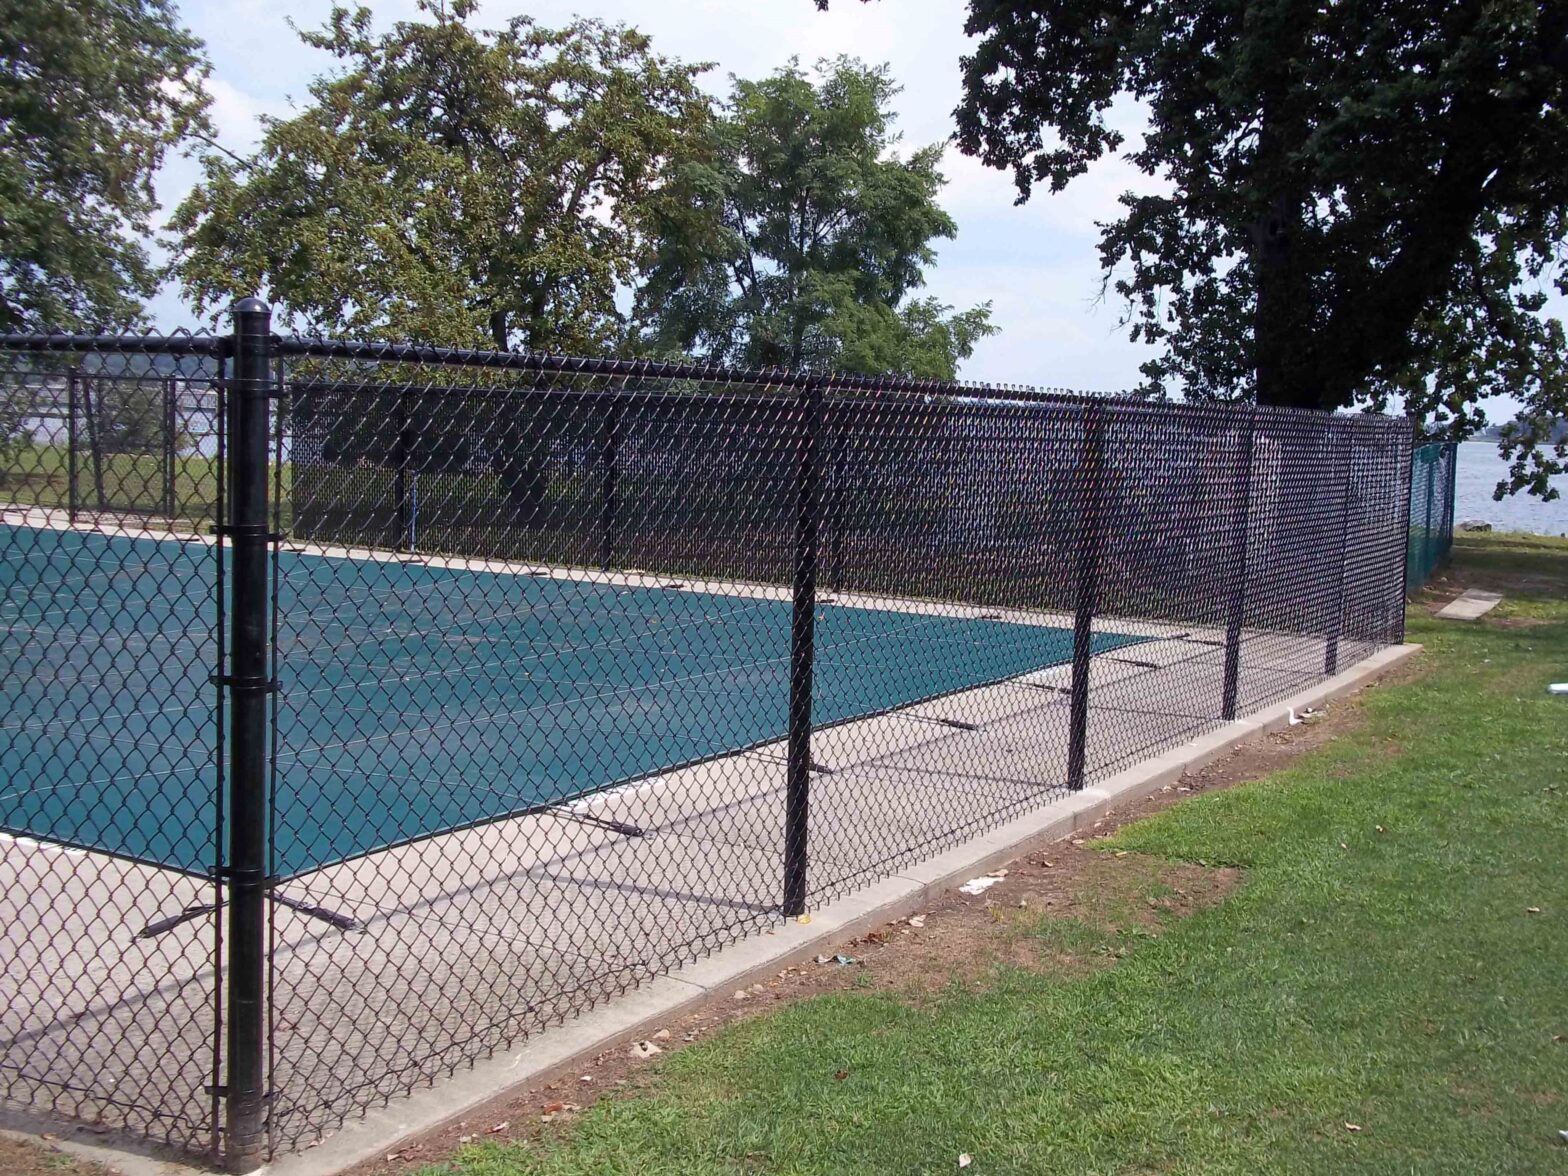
(1472, 605)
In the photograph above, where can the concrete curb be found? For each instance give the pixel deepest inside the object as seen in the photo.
(716, 978)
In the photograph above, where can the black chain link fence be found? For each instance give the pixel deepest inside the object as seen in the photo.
(372, 708)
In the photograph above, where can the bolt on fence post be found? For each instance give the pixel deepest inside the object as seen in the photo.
(1336, 619)
(71, 410)
(248, 686)
(1091, 480)
(1236, 606)
(808, 518)
(611, 447)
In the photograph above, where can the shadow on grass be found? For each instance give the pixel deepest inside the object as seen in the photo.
(1513, 563)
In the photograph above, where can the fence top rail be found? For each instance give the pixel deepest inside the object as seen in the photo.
(652, 369)
(762, 379)
(178, 344)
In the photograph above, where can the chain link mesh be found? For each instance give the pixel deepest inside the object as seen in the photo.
(589, 668)
(1432, 486)
(111, 630)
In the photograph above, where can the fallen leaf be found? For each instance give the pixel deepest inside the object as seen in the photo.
(917, 920)
(840, 1075)
(552, 1108)
(644, 1050)
(964, 1160)
(1352, 1127)
(501, 1126)
(662, 1035)
(1532, 910)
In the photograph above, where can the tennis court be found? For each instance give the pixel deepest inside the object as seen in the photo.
(417, 698)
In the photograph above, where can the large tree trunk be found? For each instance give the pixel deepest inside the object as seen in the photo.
(1283, 317)
(1282, 331)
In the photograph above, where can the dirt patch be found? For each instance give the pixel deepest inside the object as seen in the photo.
(26, 1157)
(1063, 908)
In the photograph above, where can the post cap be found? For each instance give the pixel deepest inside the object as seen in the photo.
(250, 305)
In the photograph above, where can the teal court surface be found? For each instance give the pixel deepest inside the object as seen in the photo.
(416, 698)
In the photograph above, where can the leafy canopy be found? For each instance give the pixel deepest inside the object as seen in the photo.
(451, 185)
(93, 94)
(1364, 200)
(800, 234)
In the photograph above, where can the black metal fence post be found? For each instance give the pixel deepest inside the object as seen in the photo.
(404, 541)
(1428, 559)
(1236, 606)
(611, 455)
(1091, 482)
(1451, 472)
(808, 518)
(249, 684)
(1340, 552)
(73, 392)
(171, 445)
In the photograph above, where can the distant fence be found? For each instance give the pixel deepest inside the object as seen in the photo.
(1433, 470)
(380, 706)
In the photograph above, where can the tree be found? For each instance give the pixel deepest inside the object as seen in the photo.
(93, 94)
(801, 234)
(450, 185)
(1364, 201)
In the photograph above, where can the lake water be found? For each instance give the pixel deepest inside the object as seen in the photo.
(1480, 468)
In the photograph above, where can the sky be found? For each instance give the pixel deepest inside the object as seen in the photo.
(1037, 264)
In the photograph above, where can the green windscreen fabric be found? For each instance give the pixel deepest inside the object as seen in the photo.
(1432, 471)
(417, 698)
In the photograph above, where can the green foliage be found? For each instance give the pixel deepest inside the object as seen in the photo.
(451, 185)
(1362, 201)
(93, 94)
(800, 235)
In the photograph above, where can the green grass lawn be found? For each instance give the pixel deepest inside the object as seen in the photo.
(1395, 958)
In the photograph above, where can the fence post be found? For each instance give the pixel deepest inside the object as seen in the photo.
(248, 686)
(1236, 607)
(1091, 480)
(1336, 620)
(170, 446)
(72, 392)
(400, 477)
(1429, 561)
(1451, 472)
(611, 453)
(808, 518)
